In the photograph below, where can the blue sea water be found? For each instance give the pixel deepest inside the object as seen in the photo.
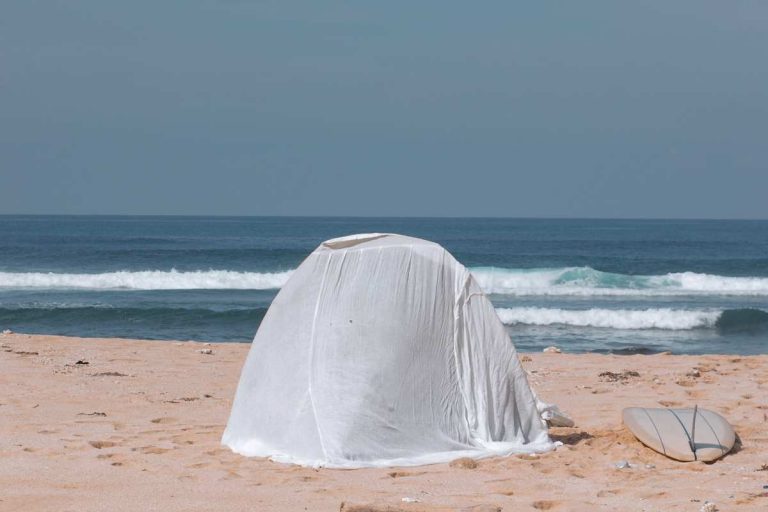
(622, 286)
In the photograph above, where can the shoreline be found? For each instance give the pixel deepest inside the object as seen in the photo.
(95, 423)
(620, 352)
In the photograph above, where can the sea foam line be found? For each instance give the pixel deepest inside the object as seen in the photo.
(148, 280)
(566, 281)
(586, 281)
(652, 318)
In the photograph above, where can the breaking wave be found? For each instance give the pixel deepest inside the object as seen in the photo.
(745, 321)
(663, 318)
(148, 280)
(653, 318)
(573, 281)
(586, 281)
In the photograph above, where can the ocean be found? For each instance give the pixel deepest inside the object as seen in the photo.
(615, 286)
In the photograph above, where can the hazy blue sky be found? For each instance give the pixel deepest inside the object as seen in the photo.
(606, 109)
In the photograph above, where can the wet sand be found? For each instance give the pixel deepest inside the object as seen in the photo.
(111, 424)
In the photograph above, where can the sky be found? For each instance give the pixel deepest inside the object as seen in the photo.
(514, 109)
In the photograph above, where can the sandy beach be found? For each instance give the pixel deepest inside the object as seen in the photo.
(114, 424)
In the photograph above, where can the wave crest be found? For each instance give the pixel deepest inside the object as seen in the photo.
(566, 281)
(148, 280)
(659, 318)
(746, 321)
(586, 281)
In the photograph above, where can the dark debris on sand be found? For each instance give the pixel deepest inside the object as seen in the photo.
(618, 377)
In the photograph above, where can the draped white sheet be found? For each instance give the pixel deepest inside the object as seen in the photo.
(382, 350)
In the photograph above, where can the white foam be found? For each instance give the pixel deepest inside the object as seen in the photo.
(660, 318)
(567, 281)
(586, 281)
(148, 280)
(692, 281)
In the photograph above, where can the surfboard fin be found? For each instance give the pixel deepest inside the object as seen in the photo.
(693, 431)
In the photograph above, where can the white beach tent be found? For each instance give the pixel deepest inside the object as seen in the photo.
(382, 350)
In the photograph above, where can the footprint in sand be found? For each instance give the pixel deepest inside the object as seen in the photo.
(545, 504)
(232, 474)
(153, 450)
(113, 459)
(182, 440)
(751, 497)
(102, 444)
(401, 474)
(164, 420)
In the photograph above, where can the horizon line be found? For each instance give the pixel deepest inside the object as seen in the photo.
(336, 216)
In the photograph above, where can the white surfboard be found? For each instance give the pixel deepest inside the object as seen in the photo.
(674, 433)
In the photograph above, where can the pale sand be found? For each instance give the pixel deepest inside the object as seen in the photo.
(138, 428)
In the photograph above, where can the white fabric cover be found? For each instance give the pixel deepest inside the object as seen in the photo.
(382, 350)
